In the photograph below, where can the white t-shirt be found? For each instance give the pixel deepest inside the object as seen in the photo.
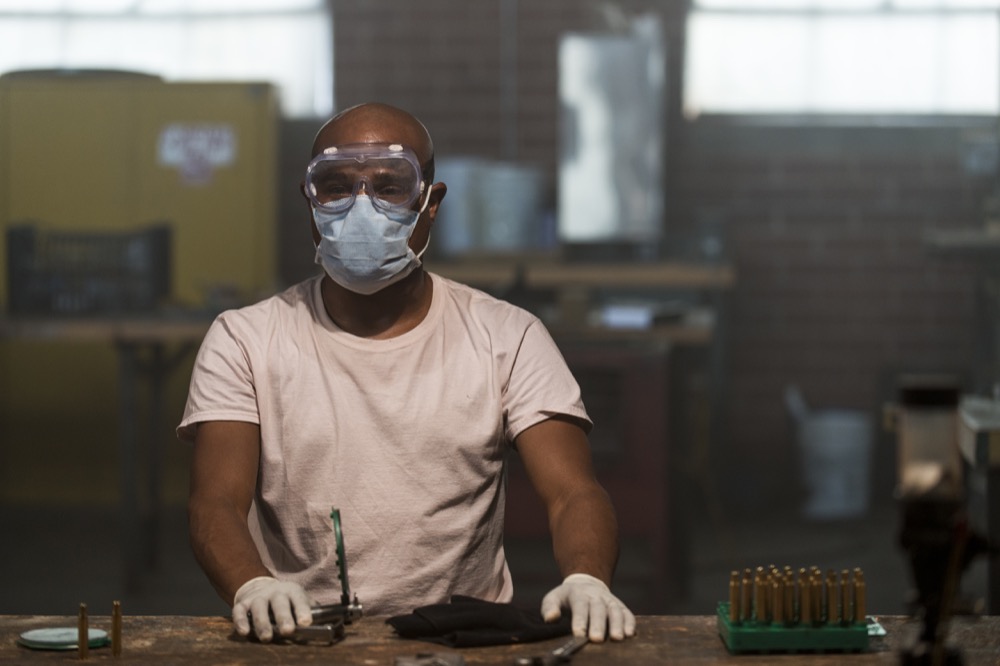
(406, 436)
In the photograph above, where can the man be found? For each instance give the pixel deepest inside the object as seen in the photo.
(392, 394)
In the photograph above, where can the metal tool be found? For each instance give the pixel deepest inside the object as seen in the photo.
(561, 655)
(328, 621)
(935, 530)
(328, 633)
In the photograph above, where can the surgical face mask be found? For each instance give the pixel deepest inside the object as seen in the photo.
(364, 249)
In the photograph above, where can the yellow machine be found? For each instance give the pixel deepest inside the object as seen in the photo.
(113, 152)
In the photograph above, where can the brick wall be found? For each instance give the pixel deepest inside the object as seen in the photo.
(481, 75)
(836, 292)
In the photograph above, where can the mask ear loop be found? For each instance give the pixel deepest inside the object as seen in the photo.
(427, 243)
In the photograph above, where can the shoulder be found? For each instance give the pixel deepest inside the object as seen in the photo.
(475, 304)
(280, 310)
(297, 297)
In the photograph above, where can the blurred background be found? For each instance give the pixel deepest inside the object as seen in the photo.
(743, 220)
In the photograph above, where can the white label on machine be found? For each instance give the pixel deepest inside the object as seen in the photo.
(196, 150)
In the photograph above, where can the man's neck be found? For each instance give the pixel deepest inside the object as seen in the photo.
(387, 313)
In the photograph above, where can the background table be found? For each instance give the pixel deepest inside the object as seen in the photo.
(660, 640)
(148, 349)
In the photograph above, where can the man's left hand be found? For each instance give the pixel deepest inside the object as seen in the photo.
(595, 611)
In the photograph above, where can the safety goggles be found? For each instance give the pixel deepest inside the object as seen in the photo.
(389, 173)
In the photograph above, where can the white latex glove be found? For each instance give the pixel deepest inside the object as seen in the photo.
(594, 609)
(258, 594)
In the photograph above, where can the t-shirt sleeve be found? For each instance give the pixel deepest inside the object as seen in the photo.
(222, 381)
(540, 384)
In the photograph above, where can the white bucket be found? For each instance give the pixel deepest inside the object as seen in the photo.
(836, 462)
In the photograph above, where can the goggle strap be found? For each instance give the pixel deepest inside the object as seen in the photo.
(423, 184)
(427, 243)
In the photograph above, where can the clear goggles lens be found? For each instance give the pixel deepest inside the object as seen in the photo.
(389, 174)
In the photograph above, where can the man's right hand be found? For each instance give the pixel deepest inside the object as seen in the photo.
(256, 596)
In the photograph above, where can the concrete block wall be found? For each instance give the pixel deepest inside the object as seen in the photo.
(823, 222)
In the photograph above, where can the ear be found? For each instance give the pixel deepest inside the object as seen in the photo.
(438, 190)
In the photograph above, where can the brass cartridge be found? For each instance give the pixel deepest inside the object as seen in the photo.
(746, 598)
(846, 595)
(734, 597)
(805, 601)
(860, 601)
(778, 600)
(789, 598)
(832, 598)
(759, 598)
(817, 598)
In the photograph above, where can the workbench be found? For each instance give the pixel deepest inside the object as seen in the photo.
(659, 640)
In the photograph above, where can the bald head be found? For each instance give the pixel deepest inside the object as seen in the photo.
(376, 123)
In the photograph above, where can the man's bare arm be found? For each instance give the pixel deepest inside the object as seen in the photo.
(556, 456)
(223, 479)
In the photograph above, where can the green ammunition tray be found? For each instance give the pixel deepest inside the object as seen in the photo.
(757, 637)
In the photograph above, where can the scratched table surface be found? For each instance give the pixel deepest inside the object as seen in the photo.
(660, 640)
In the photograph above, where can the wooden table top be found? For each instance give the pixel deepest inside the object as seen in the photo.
(660, 640)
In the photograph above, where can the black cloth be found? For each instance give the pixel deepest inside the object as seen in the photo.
(470, 622)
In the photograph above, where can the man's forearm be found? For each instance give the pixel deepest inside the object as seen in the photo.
(585, 535)
(222, 545)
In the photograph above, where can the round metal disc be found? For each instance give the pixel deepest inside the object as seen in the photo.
(60, 638)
